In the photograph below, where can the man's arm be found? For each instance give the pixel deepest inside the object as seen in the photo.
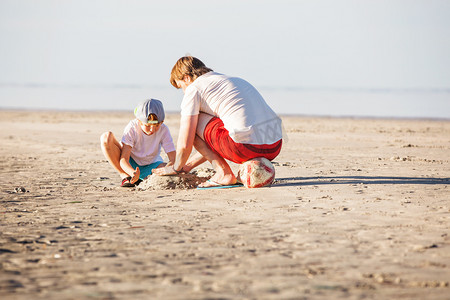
(188, 128)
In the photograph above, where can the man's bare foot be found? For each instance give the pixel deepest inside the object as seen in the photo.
(216, 181)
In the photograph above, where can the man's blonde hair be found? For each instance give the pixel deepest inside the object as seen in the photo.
(187, 66)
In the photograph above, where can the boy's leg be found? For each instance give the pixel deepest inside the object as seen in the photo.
(147, 169)
(112, 149)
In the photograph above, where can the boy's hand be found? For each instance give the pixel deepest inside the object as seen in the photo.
(135, 176)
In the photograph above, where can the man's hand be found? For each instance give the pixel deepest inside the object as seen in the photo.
(167, 170)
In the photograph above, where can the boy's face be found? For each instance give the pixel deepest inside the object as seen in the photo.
(149, 129)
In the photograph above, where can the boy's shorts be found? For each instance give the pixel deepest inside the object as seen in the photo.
(145, 170)
(218, 139)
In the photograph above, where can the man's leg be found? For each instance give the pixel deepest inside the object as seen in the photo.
(203, 120)
(197, 158)
(224, 175)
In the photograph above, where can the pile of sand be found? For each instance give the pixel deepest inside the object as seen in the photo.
(180, 181)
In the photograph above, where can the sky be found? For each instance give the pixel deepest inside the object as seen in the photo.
(294, 44)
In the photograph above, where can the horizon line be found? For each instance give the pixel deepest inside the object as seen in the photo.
(265, 87)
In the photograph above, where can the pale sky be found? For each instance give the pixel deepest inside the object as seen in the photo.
(310, 43)
(306, 44)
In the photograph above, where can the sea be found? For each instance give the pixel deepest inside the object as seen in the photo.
(322, 102)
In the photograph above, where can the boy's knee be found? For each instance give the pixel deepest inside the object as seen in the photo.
(106, 137)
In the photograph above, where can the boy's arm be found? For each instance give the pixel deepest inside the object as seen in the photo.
(171, 155)
(125, 164)
(167, 144)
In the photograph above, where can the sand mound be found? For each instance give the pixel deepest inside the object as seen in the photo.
(180, 181)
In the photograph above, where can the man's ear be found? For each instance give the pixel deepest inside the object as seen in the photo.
(187, 79)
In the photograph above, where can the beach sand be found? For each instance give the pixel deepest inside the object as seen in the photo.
(359, 210)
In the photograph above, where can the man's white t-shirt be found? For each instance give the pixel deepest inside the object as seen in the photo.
(237, 103)
(146, 149)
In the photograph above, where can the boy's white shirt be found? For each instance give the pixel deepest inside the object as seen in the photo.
(146, 149)
(237, 103)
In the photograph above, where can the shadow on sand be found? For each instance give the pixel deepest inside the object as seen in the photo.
(322, 180)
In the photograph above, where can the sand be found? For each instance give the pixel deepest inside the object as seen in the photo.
(359, 210)
(180, 182)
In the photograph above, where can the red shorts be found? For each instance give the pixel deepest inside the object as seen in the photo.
(218, 139)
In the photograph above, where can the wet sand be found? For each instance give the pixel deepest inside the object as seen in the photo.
(359, 210)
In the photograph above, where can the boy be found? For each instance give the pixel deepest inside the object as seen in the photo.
(138, 153)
